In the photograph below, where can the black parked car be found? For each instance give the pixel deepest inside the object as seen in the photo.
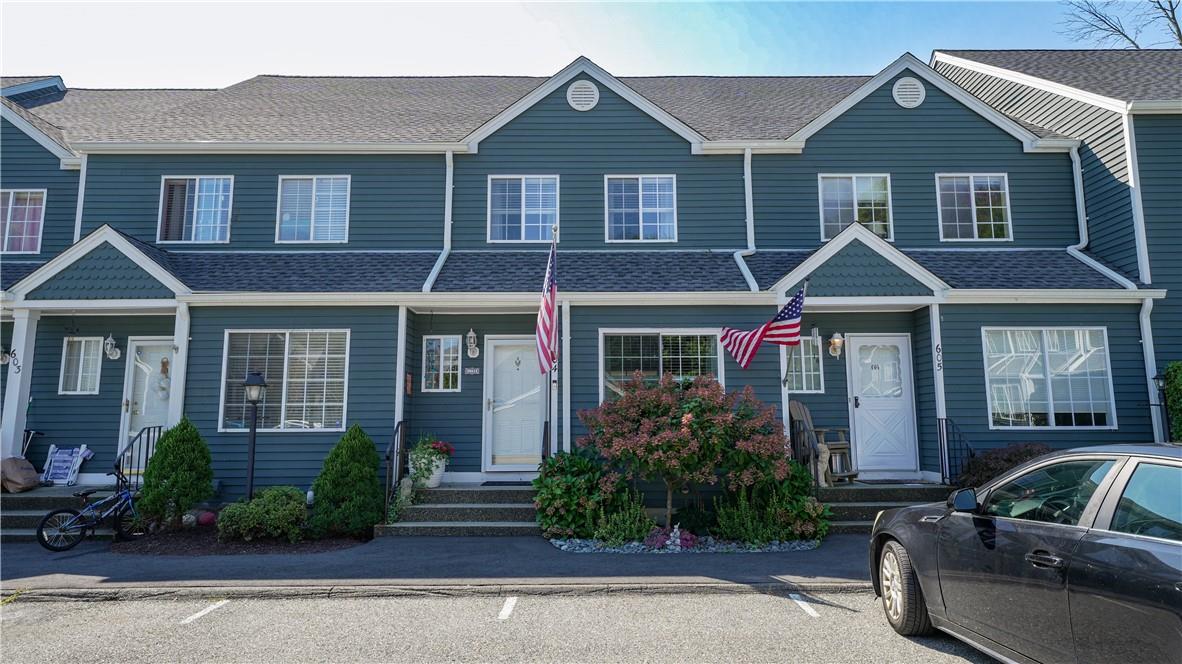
(1075, 556)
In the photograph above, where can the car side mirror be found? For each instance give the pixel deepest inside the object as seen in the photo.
(963, 500)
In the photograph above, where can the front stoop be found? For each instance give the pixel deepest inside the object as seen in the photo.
(854, 506)
(467, 511)
(20, 513)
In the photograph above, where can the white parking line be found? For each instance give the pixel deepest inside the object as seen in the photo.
(211, 607)
(507, 609)
(805, 606)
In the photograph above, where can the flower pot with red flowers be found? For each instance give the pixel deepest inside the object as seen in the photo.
(428, 459)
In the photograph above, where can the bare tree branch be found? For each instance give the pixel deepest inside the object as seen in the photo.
(1102, 22)
(1166, 12)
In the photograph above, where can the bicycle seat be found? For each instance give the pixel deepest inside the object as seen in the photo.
(84, 493)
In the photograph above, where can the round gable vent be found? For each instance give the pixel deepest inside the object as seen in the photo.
(908, 92)
(582, 95)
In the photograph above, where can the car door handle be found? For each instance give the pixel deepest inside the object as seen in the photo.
(1044, 559)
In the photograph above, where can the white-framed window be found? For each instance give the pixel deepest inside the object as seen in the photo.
(861, 198)
(640, 208)
(684, 353)
(313, 208)
(522, 208)
(973, 206)
(22, 218)
(441, 363)
(805, 372)
(307, 375)
(82, 365)
(195, 208)
(1048, 378)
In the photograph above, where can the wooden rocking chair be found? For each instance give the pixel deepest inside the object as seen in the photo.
(819, 448)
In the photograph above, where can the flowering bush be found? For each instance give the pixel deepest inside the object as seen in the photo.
(425, 454)
(572, 491)
(671, 538)
(687, 433)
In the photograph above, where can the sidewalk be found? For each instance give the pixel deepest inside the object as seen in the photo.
(425, 566)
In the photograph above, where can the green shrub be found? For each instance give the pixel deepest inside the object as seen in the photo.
(1174, 398)
(696, 519)
(781, 513)
(277, 512)
(572, 490)
(629, 523)
(988, 465)
(740, 520)
(347, 495)
(178, 476)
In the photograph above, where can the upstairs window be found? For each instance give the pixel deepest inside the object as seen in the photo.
(641, 208)
(522, 208)
(195, 209)
(865, 199)
(313, 208)
(21, 214)
(974, 207)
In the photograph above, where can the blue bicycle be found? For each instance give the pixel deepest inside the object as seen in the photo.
(62, 530)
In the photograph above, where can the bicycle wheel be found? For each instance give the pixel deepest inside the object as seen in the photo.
(61, 530)
(128, 525)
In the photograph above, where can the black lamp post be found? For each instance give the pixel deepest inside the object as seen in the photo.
(1159, 381)
(256, 388)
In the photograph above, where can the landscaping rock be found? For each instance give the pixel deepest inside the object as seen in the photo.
(704, 545)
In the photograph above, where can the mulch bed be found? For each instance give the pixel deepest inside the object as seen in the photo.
(203, 541)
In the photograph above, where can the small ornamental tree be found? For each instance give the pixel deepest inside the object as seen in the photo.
(347, 495)
(179, 475)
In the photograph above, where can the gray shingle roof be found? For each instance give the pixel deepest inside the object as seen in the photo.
(13, 271)
(1037, 268)
(9, 81)
(1128, 75)
(87, 115)
(54, 132)
(602, 271)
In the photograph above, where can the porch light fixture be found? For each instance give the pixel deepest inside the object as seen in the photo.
(256, 388)
(5, 356)
(1159, 381)
(109, 347)
(836, 342)
(470, 338)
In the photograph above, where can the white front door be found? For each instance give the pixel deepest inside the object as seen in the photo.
(882, 404)
(147, 387)
(514, 405)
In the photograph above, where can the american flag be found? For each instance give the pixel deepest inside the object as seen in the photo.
(784, 330)
(547, 327)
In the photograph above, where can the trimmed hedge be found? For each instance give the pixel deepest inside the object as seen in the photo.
(1174, 398)
(179, 475)
(277, 512)
(347, 495)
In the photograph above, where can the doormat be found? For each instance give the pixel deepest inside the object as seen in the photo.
(507, 484)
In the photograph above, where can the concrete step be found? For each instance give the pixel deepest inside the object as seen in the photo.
(19, 502)
(850, 527)
(901, 493)
(21, 518)
(457, 529)
(469, 512)
(30, 534)
(862, 511)
(463, 494)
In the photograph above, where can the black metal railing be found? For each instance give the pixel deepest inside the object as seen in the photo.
(545, 440)
(955, 450)
(132, 459)
(395, 454)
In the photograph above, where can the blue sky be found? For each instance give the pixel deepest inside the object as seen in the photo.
(98, 44)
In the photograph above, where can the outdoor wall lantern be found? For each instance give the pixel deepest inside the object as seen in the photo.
(5, 356)
(836, 342)
(473, 351)
(111, 349)
(256, 388)
(1159, 381)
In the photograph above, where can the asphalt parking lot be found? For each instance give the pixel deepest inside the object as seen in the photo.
(841, 627)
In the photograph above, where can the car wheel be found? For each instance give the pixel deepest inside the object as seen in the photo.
(902, 599)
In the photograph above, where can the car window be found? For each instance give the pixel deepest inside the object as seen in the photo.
(1152, 503)
(1057, 493)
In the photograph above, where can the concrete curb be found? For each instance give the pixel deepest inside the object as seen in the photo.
(372, 591)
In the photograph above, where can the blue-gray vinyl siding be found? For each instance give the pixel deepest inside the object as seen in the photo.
(26, 164)
(877, 136)
(291, 457)
(455, 417)
(1102, 155)
(614, 138)
(103, 273)
(1159, 163)
(858, 271)
(71, 420)
(964, 371)
(925, 390)
(396, 201)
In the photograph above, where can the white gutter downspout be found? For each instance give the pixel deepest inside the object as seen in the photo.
(749, 202)
(446, 225)
(1076, 250)
(81, 196)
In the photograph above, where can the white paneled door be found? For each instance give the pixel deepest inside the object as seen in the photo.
(514, 406)
(882, 404)
(147, 387)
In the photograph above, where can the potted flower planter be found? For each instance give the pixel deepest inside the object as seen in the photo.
(428, 459)
(436, 473)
